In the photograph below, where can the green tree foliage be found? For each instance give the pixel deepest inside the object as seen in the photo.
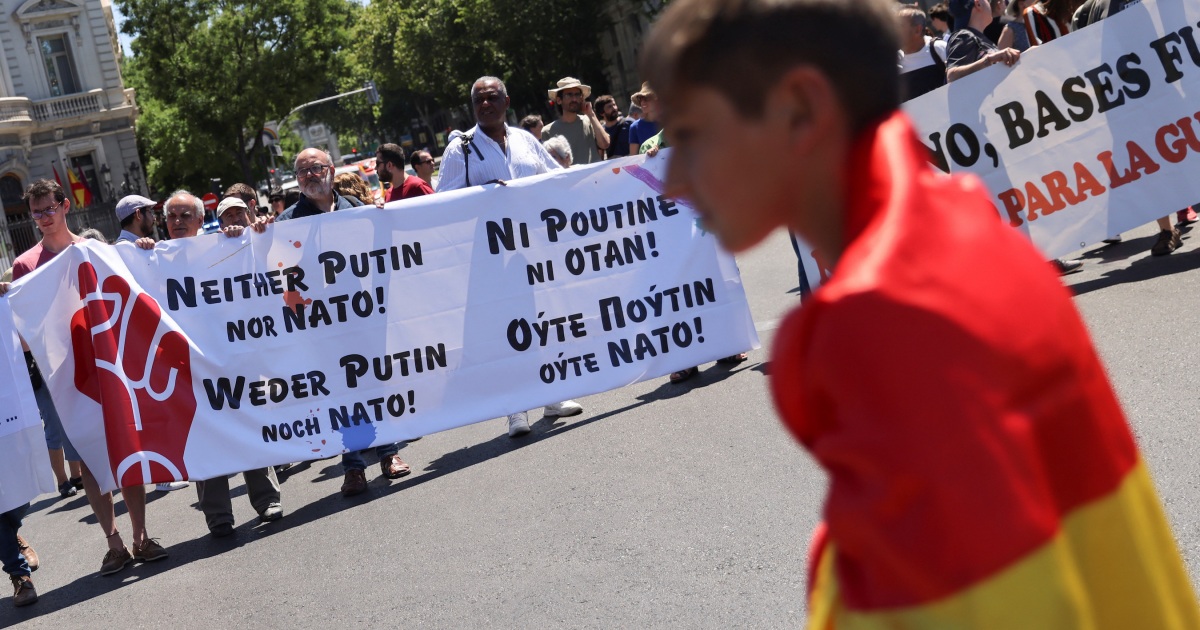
(210, 73)
(426, 53)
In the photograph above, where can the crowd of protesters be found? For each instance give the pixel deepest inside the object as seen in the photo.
(860, 447)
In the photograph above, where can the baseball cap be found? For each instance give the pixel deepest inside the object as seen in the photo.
(130, 204)
(230, 202)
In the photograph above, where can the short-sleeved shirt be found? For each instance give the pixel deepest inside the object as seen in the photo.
(618, 137)
(33, 258)
(412, 187)
(641, 131)
(967, 46)
(523, 156)
(579, 135)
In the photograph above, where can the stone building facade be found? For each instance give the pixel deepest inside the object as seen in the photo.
(63, 106)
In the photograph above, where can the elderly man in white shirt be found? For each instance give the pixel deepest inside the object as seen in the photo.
(497, 152)
(491, 151)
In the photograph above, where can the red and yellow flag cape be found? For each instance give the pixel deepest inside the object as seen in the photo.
(982, 473)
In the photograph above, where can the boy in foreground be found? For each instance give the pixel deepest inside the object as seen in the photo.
(982, 473)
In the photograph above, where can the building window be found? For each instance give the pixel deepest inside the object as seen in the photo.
(11, 192)
(60, 67)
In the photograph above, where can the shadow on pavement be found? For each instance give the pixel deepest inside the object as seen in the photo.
(1141, 269)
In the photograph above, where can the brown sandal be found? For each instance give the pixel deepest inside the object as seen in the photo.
(683, 375)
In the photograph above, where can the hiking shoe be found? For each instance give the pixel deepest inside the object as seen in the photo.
(518, 424)
(66, 489)
(274, 512)
(31, 557)
(171, 486)
(393, 467)
(355, 483)
(149, 551)
(1168, 241)
(115, 560)
(564, 409)
(23, 592)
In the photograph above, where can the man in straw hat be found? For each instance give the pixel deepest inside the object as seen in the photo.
(586, 133)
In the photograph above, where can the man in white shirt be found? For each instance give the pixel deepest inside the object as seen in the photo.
(497, 152)
(922, 58)
(493, 152)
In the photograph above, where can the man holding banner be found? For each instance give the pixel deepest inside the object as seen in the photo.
(982, 473)
(48, 204)
(512, 154)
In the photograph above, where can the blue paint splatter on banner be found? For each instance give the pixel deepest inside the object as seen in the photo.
(360, 433)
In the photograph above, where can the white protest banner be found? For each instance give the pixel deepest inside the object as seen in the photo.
(1087, 136)
(212, 355)
(24, 463)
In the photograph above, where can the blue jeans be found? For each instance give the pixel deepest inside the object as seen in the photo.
(10, 553)
(56, 436)
(354, 460)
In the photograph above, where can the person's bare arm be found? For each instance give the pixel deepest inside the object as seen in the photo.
(602, 138)
(1008, 57)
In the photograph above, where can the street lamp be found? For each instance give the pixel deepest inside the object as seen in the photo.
(135, 170)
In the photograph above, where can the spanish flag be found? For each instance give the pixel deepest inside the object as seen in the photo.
(81, 195)
(981, 471)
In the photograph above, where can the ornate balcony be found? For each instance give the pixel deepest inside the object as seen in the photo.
(15, 114)
(70, 106)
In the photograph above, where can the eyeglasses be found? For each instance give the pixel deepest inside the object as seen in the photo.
(429, 161)
(312, 171)
(38, 215)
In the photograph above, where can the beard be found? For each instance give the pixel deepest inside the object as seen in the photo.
(384, 175)
(574, 107)
(319, 188)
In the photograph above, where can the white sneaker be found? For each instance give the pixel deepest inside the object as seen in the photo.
(171, 485)
(518, 424)
(564, 409)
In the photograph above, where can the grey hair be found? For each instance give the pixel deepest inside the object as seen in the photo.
(503, 90)
(94, 234)
(559, 147)
(199, 203)
(915, 16)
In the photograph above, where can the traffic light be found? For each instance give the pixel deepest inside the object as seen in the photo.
(372, 93)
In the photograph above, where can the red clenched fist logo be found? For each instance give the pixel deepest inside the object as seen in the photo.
(139, 369)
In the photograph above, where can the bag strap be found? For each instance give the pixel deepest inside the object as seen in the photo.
(937, 61)
(468, 140)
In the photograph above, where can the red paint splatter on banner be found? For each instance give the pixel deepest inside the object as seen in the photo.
(293, 298)
(296, 244)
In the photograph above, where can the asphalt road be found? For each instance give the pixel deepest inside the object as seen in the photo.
(662, 506)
